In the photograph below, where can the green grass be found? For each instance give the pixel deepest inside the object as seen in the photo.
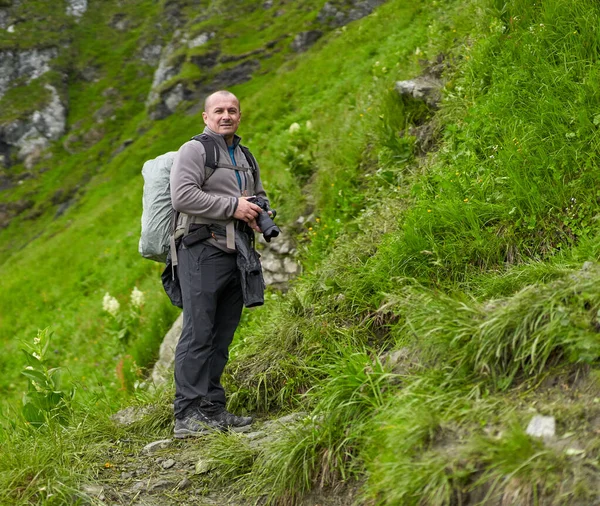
(465, 264)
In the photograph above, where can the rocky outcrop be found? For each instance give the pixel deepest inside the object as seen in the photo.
(32, 135)
(23, 66)
(163, 102)
(339, 13)
(304, 40)
(76, 8)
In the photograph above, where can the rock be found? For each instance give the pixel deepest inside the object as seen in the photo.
(4, 19)
(166, 358)
(206, 60)
(167, 69)
(160, 485)
(542, 427)
(168, 464)
(156, 445)
(130, 415)
(174, 97)
(150, 54)
(28, 65)
(290, 266)
(425, 88)
(200, 40)
(204, 466)
(183, 484)
(119, 22)
(31, 136)
(237, 75)
(304, 40)
(339, 13)
(76, 8)
(95, 491)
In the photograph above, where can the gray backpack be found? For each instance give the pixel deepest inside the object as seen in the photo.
(157, 214)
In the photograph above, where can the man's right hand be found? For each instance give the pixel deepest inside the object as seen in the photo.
(246, 211)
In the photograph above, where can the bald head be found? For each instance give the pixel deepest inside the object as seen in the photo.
(224, 94)
(222, 114)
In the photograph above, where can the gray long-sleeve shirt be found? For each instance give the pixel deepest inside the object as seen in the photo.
(212, 199)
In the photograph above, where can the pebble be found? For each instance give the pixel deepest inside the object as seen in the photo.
(168, 464)
(542, 426)
(156, 445)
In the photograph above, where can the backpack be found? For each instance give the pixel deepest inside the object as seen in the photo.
(157, 214)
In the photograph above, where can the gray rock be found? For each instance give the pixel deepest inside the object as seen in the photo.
(542, 427)
(164, 365)
(4, 19)
(166, 70)
(425, 88)
(29, 64)
(339, 13)
(76, 8)
(150, 54)
(156, 445)
(290, 266)
(168, 464)
(160, 485)
(200, 40)
(174, 97)
(304, 40)
(183, 484)
(204, 466)
(94, 491)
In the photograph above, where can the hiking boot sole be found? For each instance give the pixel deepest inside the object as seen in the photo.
(186, 433)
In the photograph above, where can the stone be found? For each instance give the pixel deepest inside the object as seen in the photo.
(425, 88)
(166, 357)
(183, 484)
(95, 491)
(168, 464)
(156, 446)
(160, 485)
(174, 97)
(4, 19)
(304, 40)
(28, 64)
(76, 8)
(237, 75)
(542, 427)
(205, 60)
(204, 466)
(339, 13)
(150, 54)
(200, 40)
(290, 266)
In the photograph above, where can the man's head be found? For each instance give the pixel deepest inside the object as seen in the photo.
(222, 114)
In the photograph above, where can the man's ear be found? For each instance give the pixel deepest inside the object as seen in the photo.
(204, 117)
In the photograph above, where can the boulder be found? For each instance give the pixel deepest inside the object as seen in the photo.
(76, 8)
(304, 40)
(164, 365)
(339, 13)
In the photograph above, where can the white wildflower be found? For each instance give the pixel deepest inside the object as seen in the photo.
(110, 304)
(309, 125)
(29, 368)
(36, 356)
(36, 340)
(36, 386)
(137, 297)
(294, 127)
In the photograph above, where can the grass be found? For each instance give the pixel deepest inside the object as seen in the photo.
(442, 301)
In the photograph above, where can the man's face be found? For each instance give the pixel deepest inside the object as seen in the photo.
(223, 115)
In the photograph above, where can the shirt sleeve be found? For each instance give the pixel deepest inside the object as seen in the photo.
(187, 178)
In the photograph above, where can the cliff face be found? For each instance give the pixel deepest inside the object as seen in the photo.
(74, 73)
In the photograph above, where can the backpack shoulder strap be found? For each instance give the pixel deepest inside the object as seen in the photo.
(212, 153)
(250, 157)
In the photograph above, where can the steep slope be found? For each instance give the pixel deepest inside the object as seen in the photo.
(449, 286)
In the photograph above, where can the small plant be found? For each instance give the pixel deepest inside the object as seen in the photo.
(122, 324)
(44, 400)
(298, 156)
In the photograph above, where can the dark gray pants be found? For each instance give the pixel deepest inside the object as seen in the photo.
(212, 306)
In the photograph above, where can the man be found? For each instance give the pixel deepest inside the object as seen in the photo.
(207, 269)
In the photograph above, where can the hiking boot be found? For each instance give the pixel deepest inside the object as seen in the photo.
(227, 420)
(193, 424)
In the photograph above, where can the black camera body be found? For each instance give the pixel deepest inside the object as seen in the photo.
(264, 221)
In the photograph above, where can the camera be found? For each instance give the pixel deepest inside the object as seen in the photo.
(264, 221)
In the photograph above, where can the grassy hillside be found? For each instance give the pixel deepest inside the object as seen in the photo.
(447, 296)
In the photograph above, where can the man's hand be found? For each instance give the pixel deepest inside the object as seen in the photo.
(246, 211)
